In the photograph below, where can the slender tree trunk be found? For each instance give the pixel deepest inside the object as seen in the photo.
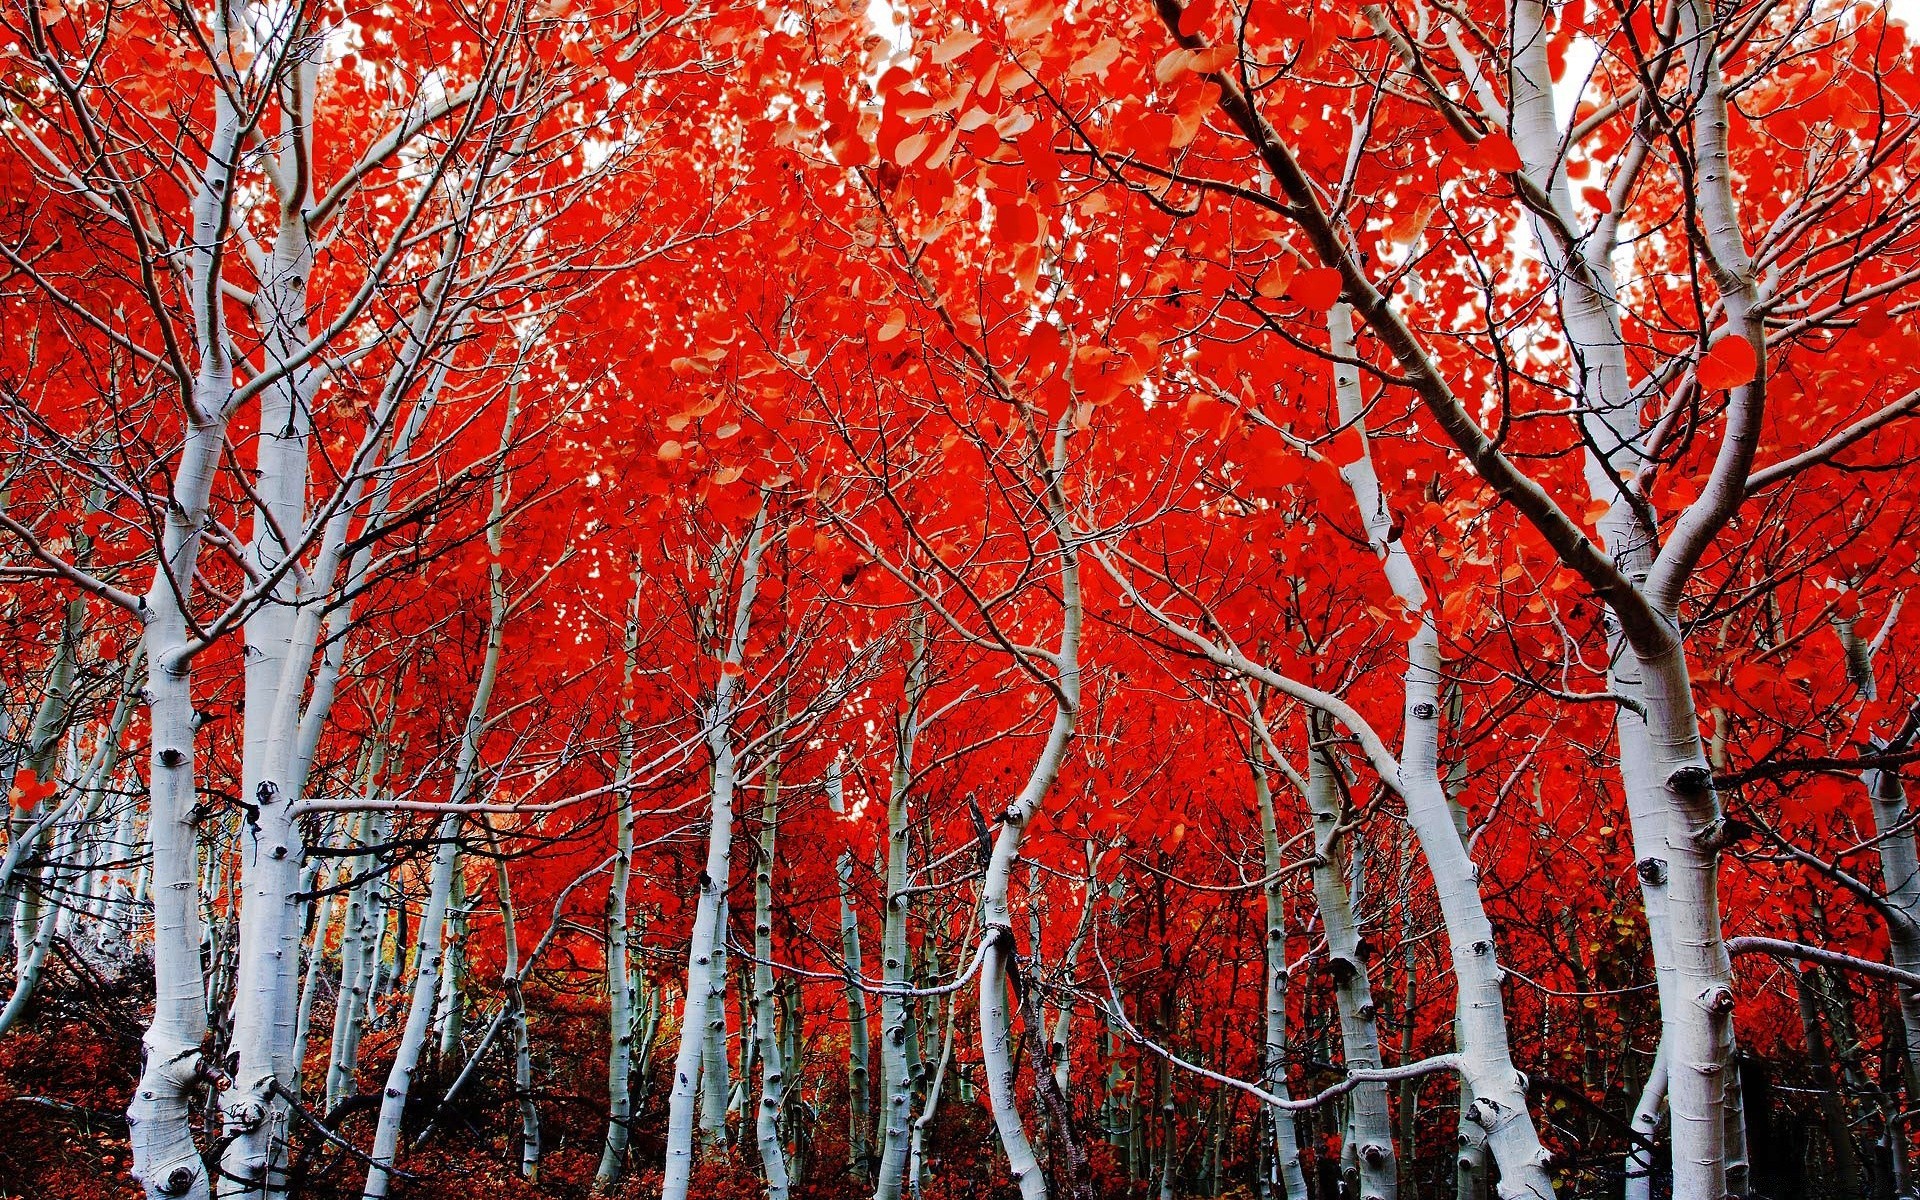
(1499, 1103)
(1369, 1127)
(896, 1073)
(1286, 1170)
(433, 919)
(530, 1147)
(716, 1065)
(1646, 1123)
(620, 1017)
(773, 1079)
(859, 1080)
(997, 945)
(450, 1005)
(310, 984)
(705, 961)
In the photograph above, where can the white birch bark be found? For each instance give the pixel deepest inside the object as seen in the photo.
(620, 1017)
(1499, 1097)
(448, 1008)
(766, 1032)
(1698, 1000)
(716, 1065)
(522, 1034)
(310, 983)
(859, 1080)
(703, 948)
(165, 1160)
(1892, 819)
(1285, 1167)
(997, 944)
(20, 897)
(1369, 1129)
(359, 954)
(433, 919)
(255, 1110)
(896, 1074)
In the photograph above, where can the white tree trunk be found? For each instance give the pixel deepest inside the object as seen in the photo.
(1500, 1102)
(1286, 1167)
(310, 984)
(997, 944)
(620, 1017)
(773, 1079)
(705, 967)
(165, 1159)
(716, 1065)
(433, 919)
(1369, 1128)
(859, 1080)
(896, 1071)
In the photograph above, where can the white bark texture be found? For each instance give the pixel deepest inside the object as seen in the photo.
(997, 945)
(896, 1074)
(1285, 1167)
(620, 1020)
(705, 968)
(773, 1077)
(1499, 1103)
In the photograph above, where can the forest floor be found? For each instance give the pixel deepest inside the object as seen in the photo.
(69, 1067)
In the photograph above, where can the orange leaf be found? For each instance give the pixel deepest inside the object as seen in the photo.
(954, 47)
(668, 451)
(1597, 199)
(1097, 60)
(1210, 61)
(896, 321)
(732, 670)
(1172, 65)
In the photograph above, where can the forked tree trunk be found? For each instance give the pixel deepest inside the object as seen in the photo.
(1499, 1103)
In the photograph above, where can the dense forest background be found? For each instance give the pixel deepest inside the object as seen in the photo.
(709, 598)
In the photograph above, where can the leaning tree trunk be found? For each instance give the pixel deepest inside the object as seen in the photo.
(433, 919)
(997, 940)
(1499, 1104)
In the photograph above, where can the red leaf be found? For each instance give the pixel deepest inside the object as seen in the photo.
(1496, 152)
(1348, 447)
(1730, 363)
(1317, 288)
